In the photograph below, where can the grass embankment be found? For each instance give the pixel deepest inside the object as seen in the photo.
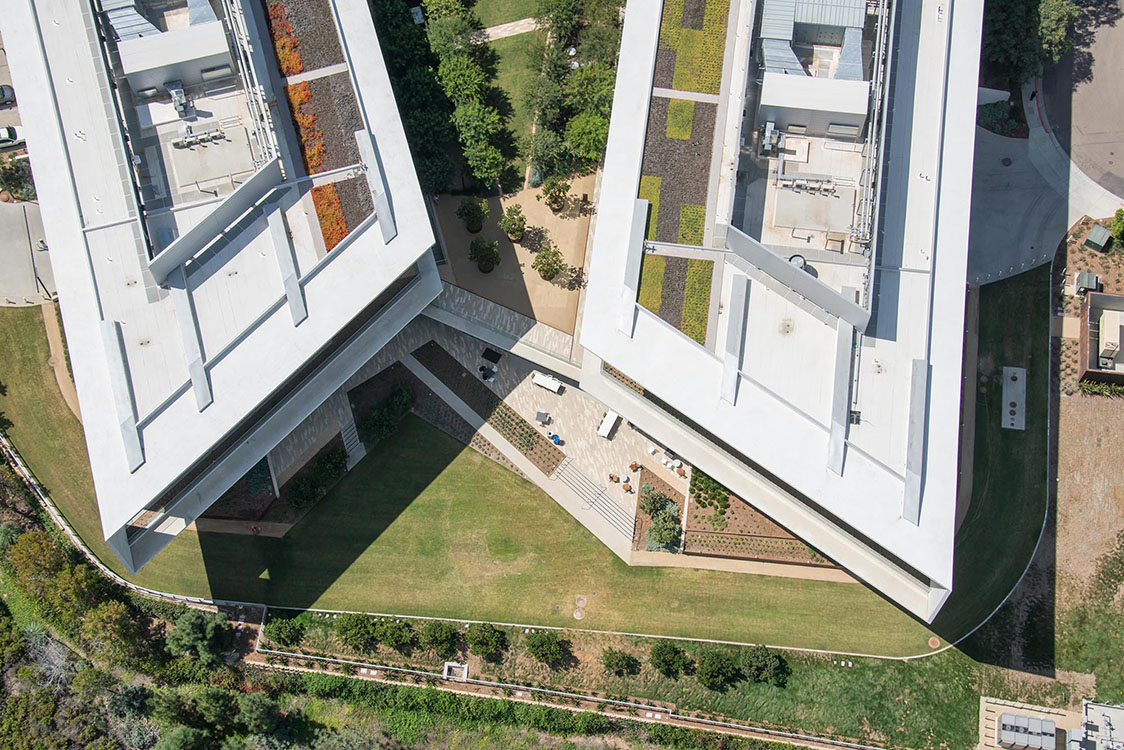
(426, 526)
(1001, 527)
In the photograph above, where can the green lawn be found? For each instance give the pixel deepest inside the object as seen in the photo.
(495, 12)
(1009, 483)
(696, 299)
(517, 66)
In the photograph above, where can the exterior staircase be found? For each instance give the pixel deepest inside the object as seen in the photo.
(351, 441)
(594, 496)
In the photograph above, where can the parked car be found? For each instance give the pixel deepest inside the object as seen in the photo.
(7, 95)
(10, 136)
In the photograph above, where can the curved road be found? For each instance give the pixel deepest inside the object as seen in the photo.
(1082, 95)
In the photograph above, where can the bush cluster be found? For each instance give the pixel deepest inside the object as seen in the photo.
(317, 479)
(382, 421)
(665, 530)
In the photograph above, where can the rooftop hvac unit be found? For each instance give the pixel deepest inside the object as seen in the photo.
(1110, 323)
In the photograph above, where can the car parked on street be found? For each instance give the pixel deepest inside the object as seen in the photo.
(7, 95)
(10, 136)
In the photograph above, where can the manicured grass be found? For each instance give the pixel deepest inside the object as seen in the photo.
(1009, 485)
(698, 53)
(696, 299)
(650, 191)
(426, 526)
(652, 268)
(691, 219)
(517, 68)
(680, 118)
(495, 12)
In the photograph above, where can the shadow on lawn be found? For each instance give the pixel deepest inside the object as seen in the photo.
(1013, 486)
(297, 569)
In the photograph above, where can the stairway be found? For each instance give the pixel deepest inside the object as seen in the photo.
(351, 441)
(594, 496)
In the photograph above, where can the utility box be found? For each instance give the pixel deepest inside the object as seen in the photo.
(1099, 238)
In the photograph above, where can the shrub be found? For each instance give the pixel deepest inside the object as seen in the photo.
(15, 177)
(587, 134)
(1118, 229)
(203, 636)
(486, 640)
(329, 214)
(473, 213)
(484, 254)
(439, 637)
(716, 670)
(9, 532)
(513, 223)
(258, 713)
(397, 635)
(762, 664)
(668, 659)
(131, 701)
(382, 421)
(548, 260)
(216, 707)
(357, 631)
(285, 631)
(547, 648)
(183, 738)
(555, 191)
(619, 662)
(318, 478)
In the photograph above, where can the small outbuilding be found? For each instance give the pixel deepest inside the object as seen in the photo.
(1099, 238)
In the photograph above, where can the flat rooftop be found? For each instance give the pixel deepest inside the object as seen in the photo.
(837, 330)
(193, 272)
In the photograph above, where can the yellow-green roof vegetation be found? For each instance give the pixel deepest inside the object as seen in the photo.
(696, 299)
(650, 191)
(651, 282)
(698, 52)
(691, 224)
(680, 117)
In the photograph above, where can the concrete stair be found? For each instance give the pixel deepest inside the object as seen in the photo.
(351, 441)
(594, 496)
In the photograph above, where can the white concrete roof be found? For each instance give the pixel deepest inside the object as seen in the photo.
(171, 47)
(815, 93)
(781, 416)
(250, 341)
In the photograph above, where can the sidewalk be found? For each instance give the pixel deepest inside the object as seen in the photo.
(512, 28)
(58, 358)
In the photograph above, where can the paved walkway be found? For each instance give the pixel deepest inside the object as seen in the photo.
(693, 96)
(1026, 194)
(26, 278)
(58, 358)
(224, 526)
(312, 75)
(512, 28)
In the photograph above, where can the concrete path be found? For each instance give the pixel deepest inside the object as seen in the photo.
(781, 570)
(693, 96)
(26, 278)
(312, 75)
(512, 28)
(225, 526)
(1026, 194)
(58, 358)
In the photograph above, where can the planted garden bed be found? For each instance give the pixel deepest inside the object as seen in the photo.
(341, 207)
(304, 35)
(523, 435)
(723, 525)
(691, 45)
(325, 116)
(305, 488)
(676, 169)
(645, 477)
(678, 290)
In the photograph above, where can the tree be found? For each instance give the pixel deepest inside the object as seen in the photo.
(462, 77)
(716, 670)
(109, 631)
(435, 170)
(763, 664)
(486, 640)
(472, 213)
(183, 738)
(600, 44)
(92, 683)
(216, 706)
(485, 161)
(665, 529)
(484, 254)
(15, 177)
(547, 647)
(668, 659)
(439, 637)
(173, 707)
(555, 191)
(587, 133)
(590, 89)
(547, 152)
(445, 9)
(559, 16)
(606, 12)
(548, 261)
(204, 636)
(9, 532)
(513, 223)
(476, 122)
(619, 662)
(450, 35)
(1118, 229)
(357, 632)
(285, 631)
(544, 96)
(36, 559)
(1055, 19)
(131, 701)
(258, 713)
(397, 635)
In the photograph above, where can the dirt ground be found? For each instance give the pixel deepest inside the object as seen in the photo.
(513, 283)
(1090, 493)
